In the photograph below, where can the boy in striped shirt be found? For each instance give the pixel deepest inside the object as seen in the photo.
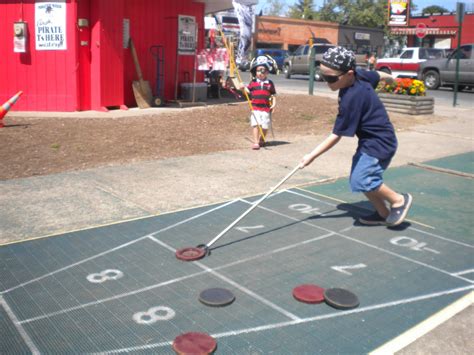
(262, 93)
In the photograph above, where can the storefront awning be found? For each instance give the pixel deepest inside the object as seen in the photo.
(428, 31)
(221, 5)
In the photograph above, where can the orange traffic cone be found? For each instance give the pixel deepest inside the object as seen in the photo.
(7, 105)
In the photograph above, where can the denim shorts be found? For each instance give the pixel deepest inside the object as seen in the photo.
(367, 172)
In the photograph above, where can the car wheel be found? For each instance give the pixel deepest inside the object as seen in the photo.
(286, 71)
(317, 73)
(386, 70)
(431, 79)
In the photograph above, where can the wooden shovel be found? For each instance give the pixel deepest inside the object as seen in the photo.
(141, 88)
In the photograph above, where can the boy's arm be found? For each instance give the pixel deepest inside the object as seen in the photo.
(273, 102)
(386, 77)
(323, 147)
(243, 87)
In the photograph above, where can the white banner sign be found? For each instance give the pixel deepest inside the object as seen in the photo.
(50, 25)
(186, 35)
(398, 12)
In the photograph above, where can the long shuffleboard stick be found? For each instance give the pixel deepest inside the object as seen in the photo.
(255, 204)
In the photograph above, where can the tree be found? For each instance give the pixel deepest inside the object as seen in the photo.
(367, 13)
(302, 9)
(274, 8)
(434, 9)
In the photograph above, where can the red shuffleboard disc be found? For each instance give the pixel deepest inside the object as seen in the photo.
(194, 343)
(190, 253)
(309, 293)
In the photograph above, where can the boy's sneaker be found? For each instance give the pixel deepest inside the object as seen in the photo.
(397, 214)
(373, 219)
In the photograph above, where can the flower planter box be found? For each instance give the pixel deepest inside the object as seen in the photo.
(412, 105)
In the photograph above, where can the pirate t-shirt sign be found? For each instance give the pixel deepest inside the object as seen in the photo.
(50, 23)
(398, 11)
(186, 35)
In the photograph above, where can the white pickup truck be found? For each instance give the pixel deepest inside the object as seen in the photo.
(406, 65)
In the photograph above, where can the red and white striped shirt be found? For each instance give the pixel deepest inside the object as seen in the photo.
(260, 92)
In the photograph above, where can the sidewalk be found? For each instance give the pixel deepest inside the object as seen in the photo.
(48, 205)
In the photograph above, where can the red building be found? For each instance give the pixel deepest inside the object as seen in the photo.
(437, 31)
(83, 61)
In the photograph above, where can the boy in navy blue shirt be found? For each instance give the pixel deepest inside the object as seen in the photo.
(361, 113)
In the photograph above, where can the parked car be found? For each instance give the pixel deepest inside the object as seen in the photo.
(442, 72)
(298, 62)
(406, 65)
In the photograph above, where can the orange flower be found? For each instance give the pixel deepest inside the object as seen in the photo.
(403, 86)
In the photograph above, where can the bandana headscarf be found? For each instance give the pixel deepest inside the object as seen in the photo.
(339, 58)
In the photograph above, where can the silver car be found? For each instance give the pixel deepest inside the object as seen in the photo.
(442, 72)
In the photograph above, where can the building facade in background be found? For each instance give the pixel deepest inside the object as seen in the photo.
(288, 33)
(430, 31)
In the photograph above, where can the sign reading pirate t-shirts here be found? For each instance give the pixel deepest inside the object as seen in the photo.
(50, 25)
(398, 12)
(186, 35)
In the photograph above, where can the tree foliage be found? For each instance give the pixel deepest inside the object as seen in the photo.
(274, 8)
(368, 13)
(303, 9)
(434, 9)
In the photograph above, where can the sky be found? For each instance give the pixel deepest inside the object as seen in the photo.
(447, 4)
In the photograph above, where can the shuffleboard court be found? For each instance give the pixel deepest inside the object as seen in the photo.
(120, 288)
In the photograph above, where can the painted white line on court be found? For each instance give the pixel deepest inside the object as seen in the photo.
(311, 198)
(321, 195)
(305, 320)
(112, 298)
(464, 272)
(338, 200)
(424, 327)
(71, 265)
(347, 229)
(235, 284)
(117, 247)
(410, 227)
(169, 282)
(250, 293)
(375, 247)
(24, 335)
(441, 237)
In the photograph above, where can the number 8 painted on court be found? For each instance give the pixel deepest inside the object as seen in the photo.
(153, 315)
(109, 274)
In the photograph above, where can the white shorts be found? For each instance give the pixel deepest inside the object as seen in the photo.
(263, 118)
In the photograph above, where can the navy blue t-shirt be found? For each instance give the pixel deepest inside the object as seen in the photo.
(361, 113)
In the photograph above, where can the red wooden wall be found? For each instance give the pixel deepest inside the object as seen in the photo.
(158, 25)
(100, 73)
(47, 78)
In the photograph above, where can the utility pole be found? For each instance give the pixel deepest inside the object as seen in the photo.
(459, 19)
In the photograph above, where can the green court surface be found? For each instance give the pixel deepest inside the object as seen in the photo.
(463, 163)
(441, 199)
(120, 288)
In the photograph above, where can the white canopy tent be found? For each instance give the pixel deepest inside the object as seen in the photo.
(221, 5)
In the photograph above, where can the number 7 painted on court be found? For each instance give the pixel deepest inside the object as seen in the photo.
(343, 268)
